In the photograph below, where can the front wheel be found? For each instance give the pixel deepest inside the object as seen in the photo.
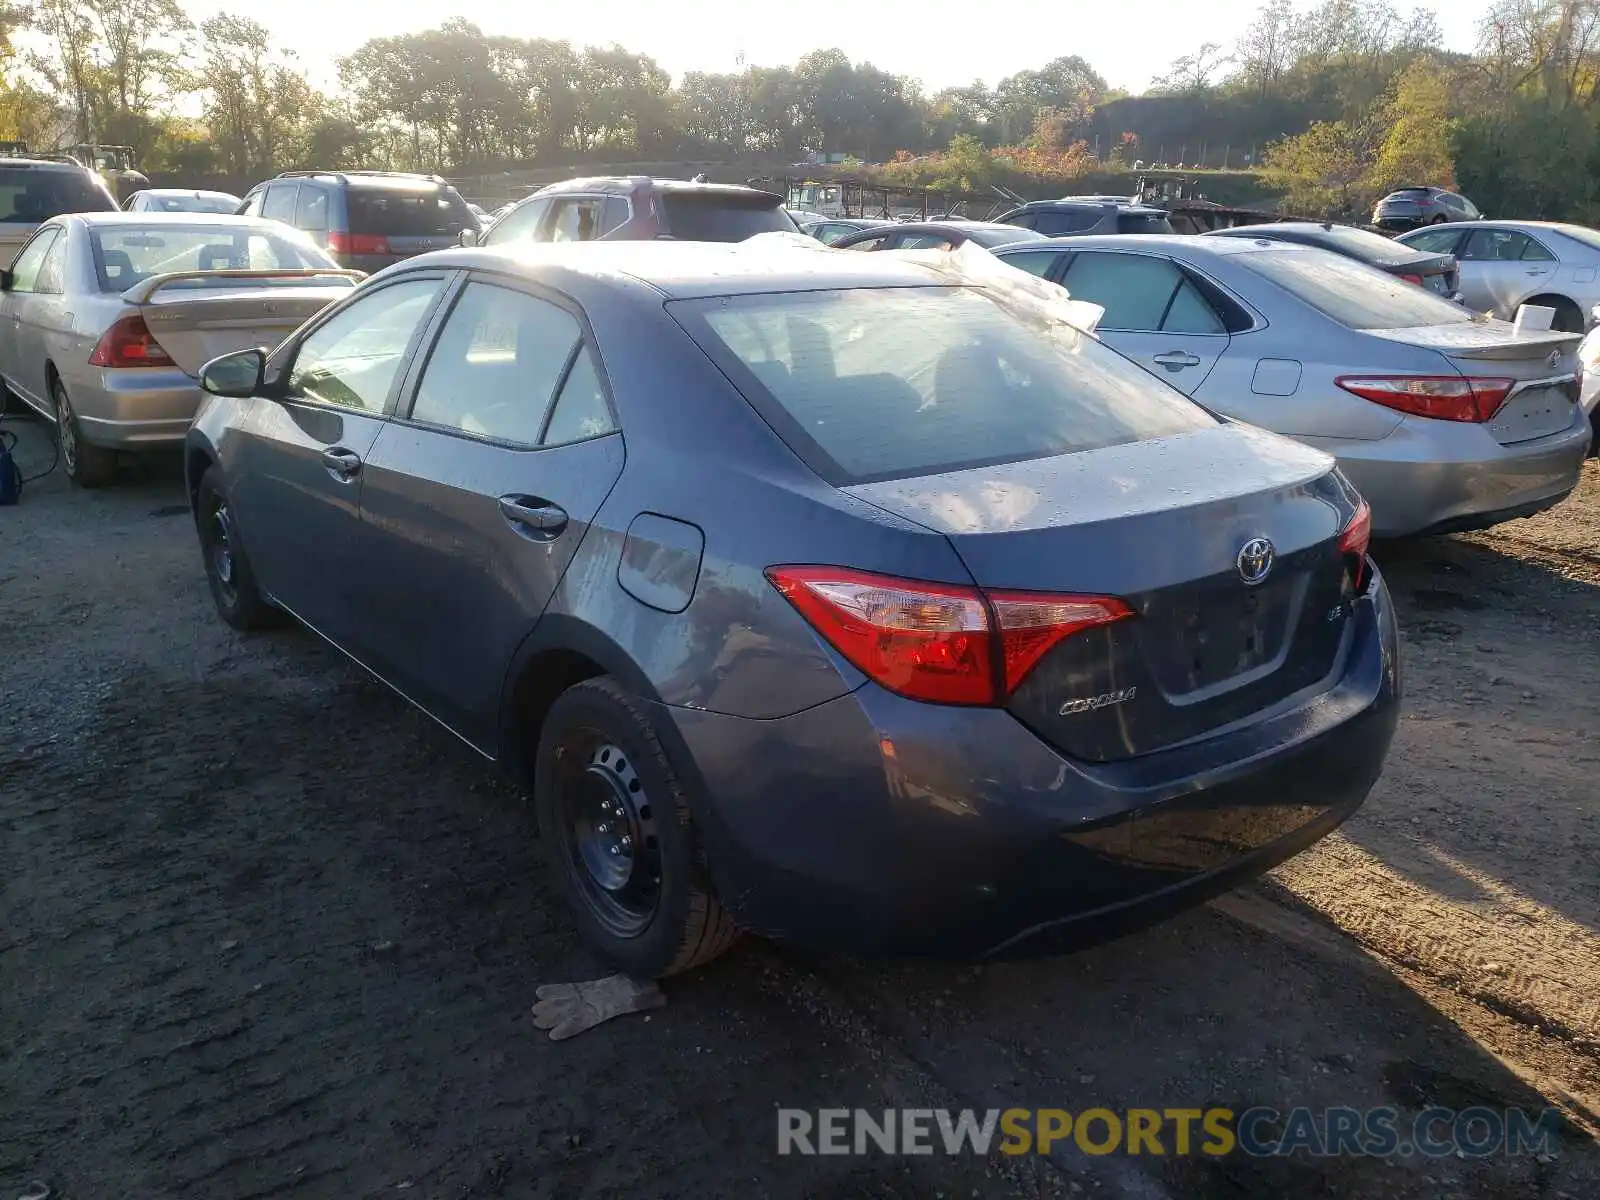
(233, 584)
(621, 847)
(87, 465)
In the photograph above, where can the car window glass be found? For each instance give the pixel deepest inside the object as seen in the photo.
(280, 202)
(25, 271)
(581, 410)
(29, 195)
(1035, 262)
(312, 211)
(1502, 245)
(518, 225)
(1022, 221)
(1435, 241)
(577, 219)
(1352, 293)
(353, 358)
(125, 254)
(391, 212)
(614, 214)
(1132, 288)
(496, 363)
(924, 241)
(876, 243)
(52, 270)
(1055, 222)
(252, 205)
(1191, 312)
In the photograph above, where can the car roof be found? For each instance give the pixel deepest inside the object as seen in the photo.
(184, 192)
(1121, 206)
(624, 185)
(1180, 242)
(47, 164)
(186, 219)
(692, 270)
(959, 228)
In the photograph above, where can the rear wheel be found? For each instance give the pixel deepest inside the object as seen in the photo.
(1568, 318)
(233, 584)
(87, 465)
(1439, 220)
(621, 846)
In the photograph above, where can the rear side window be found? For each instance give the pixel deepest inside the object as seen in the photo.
(1352, 293)
(882, 383)
(1071, 220)
(392, 212)
(29, 195)
(280, 203)
(725, 217)
(312, 211)
(1143, 223)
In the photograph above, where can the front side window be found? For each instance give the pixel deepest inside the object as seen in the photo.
(353, 358)
(52, 272)
(1034, 262)
(874, 243)
(496, 364)
(1434, 241)
(519, 225)
(883, 383)
(25, 271)
(1140, 293)
(280, 203)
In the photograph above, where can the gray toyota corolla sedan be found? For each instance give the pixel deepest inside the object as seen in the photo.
(813, 594)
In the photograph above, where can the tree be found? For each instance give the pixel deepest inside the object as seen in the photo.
(1417, 146)
(256, 102)
(1194, 72)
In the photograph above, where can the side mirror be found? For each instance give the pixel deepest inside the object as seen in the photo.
(470, 237)
(7, 279)
(237, 375)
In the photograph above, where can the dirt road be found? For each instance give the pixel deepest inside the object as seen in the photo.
(266, 931)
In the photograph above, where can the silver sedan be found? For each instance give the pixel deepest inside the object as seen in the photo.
(1506, 264)
(1443, 419)
(106, 319)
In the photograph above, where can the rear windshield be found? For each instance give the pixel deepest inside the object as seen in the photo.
(1005, 236)
(192, 203)
(1352, 293)
(1359, 243)
(882, 383)
(1143, 223)
(127, 255)
(29, 195)
(390, 212)
(1409, 194)
(709, 217)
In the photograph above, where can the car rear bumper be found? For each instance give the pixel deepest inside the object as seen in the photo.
(878, 824)
(139, 408)
(1429, 477)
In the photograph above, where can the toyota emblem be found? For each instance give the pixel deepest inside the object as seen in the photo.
(1554, 359)
(1255, 560)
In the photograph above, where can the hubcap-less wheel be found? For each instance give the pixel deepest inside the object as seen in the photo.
(221, 537)
(612, 846)
(68, 435)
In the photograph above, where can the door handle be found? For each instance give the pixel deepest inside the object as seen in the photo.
(1538, 271)
(533, 517)
(341, 463)
(1177, 360)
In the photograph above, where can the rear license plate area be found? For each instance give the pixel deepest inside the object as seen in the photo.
(1220, 633)
(1535, 413)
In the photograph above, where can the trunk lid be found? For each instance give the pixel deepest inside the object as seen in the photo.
(195, 318)
(1162, 525)
(1543, 365)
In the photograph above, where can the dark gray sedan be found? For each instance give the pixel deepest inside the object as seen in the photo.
(814, 594)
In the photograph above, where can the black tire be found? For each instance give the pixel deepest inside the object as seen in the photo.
(1439, 220)
(233, 584)
(86, 465)
(1568, 318)
(647, 906)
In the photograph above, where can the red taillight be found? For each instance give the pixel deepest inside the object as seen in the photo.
(1416, 279)
(129, 343)
(1354, 539)
(338, 242)
(1444, 397)
(368, 243)
(937, 641)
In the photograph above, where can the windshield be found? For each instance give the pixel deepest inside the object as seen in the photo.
(1352, 293)
(29, 195)
(722, 217)
(882, 383)
(390, 212)
(213, 203)
(128, 255)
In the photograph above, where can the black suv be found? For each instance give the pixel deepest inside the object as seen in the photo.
(637, 207)
(1074, 215)
(365, 219)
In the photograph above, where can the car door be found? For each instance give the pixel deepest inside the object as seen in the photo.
(1155, 313)
(23, 315)
(296, 481)
(477, 495)
(1502, 267)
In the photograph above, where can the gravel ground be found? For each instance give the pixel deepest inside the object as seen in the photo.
(265, 930)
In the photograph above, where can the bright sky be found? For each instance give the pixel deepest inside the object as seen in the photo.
(941, 42)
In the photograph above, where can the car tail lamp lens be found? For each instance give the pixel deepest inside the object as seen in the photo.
(368, 243)
(338, 242)
(129, 343)
(938, 642)
(1416, 279)
(1353, 542)
(1444, 398)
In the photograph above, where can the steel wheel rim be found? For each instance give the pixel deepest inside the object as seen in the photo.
(220, 548)
(613, 853)
(65, 431)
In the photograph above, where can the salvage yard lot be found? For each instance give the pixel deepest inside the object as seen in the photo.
(267, 930)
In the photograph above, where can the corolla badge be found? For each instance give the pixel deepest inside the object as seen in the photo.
(1255, 560)
(1092, 703)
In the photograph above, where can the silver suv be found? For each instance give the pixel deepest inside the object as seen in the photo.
(32, 190)
(1076, 215)
(1413, 206)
